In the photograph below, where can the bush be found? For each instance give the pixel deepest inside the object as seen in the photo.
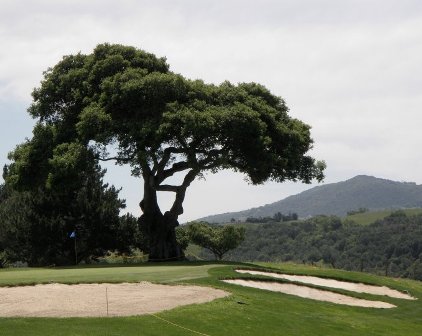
(4, 262)
(135, 256)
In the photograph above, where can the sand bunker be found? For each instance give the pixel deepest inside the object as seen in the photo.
(127, 299)
(311, 293)
(350, 286)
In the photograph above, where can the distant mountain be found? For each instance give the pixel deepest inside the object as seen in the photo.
(337, 199)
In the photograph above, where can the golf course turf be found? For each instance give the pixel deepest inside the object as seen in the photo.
(247, 311)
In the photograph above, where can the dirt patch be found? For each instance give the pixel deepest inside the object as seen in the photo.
(126, 299)
(311, 293)
(350, 286)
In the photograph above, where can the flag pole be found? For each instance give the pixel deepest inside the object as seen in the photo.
(76, 253)
(73, 236)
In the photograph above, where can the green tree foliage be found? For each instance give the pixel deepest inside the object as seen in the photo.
(127, 235)
(182, 236)
(121, 103)
(217, 239)
(358, 211)
(277, 217)
(15, 217)
(35, 224)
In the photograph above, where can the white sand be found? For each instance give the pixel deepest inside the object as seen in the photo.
(350, 286)
(127, 299)
(311, 293)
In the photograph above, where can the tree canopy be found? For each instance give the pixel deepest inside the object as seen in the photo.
(389, 246)
(35, 224)
(124, 104)
(217, 239)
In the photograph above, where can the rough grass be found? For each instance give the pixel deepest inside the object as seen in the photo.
(367, 218)
(247, 311)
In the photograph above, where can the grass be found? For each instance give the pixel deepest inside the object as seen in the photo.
(144, 272)
(247, 311)
(370, 217)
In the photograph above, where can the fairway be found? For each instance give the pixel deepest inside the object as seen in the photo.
(247, 311)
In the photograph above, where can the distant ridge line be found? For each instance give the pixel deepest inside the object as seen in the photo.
(361, 191)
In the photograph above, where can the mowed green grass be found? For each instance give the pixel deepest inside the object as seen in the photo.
(154, 273)
(370, 217)
(247, 311)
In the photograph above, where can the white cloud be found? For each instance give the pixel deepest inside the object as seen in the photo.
(349, 68)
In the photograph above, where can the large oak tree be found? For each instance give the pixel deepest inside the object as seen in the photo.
(124, 104)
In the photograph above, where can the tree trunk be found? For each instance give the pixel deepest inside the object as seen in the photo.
(161, 237)
(387, 266)
(158, 229)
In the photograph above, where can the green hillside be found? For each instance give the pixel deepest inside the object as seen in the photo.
(337, 199)
(246, 311)
(372, 216)
(390, 246)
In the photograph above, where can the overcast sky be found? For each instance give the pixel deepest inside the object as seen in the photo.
(349, 68)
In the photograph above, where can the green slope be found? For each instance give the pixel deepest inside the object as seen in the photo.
(372, 216)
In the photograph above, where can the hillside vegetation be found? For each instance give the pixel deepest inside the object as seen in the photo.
(337, 199)
(391, 246)
(369, 217)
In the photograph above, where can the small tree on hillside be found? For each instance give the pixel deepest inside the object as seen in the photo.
(219, 240)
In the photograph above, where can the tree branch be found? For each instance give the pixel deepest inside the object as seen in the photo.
(126, 159)
(176, 167)
(155, 161)
(191, 163)
(177, 208)
(167, 187)
(159, 166)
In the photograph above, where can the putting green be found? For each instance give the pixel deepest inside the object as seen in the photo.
(149, 272)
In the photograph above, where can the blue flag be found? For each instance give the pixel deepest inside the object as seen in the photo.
(72, 235)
